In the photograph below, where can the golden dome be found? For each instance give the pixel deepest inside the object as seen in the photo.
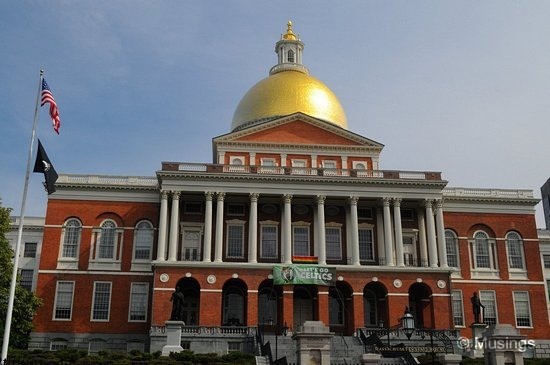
(287, 92)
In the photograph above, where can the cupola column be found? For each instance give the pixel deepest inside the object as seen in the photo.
(355, 259)
(207, 249)
(398, 232)
(430, 227)
(440, 226)
(422, 239)
(388, 240)
(253, 228)
(174, 227)
(219, 228)
(163, 219)
(287, 229)
(321, 231)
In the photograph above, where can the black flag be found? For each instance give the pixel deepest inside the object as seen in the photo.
(44, 165)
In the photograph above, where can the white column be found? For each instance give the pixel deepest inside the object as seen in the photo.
(355, 259)
(388, 239)
(440, 226)
(174, 227)
(163, 219)
(380, 236)
(430, 228)
(252, 158)
(422, 239)
(313, 161)
(321, 229)
(221, 158)
(207, 245)
(398, 232)
(253, 229)
(219, 228)
(287, 233)
(283, 159)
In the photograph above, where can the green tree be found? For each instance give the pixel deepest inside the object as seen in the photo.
(25, 303)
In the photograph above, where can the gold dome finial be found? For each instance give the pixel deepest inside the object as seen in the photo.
(289, 33)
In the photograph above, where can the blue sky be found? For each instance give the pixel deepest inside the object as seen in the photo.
(461, 87)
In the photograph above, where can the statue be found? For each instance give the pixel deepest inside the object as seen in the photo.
(476, 307)
(177, 305)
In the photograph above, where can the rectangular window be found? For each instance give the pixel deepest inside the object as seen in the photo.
(488, 299)
(364, 213)
(63, 307)
(102, 301)
(333, 243)
(366, 250)
(58, 345)
(138, 302)
(269, 246)
(234, 346)
(235, 241)
(407, 214)
(269, 162)
(30, 249)
(522, 309)
(235, 210)
(300, 240)
(191, 244)
(546, 259)
(26, 279)
(192, 208)
(483, 259)
(458, 309)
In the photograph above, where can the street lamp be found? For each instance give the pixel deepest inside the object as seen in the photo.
(407, 323)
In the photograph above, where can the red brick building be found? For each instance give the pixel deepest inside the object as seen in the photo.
(289, 185)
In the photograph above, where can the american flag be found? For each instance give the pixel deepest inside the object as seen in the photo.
(47, 97)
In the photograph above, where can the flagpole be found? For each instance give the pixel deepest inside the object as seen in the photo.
(11, 299)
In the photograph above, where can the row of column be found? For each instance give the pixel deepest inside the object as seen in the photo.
(431, 231)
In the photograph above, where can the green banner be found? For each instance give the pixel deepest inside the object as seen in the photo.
(304, 274)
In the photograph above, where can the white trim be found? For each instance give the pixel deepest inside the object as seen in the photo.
(55, 300)
(211, 290)
(163, 289)
(397, 294)
(504, 282)
(146, 301)
(94, 299)
(94, 272)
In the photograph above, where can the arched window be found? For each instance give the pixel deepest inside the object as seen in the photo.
(143, 240)
(106, 249)
(370, 302)
(233, 306)
(72, 230)
(514, 245)
(451, 244)
(290, 56)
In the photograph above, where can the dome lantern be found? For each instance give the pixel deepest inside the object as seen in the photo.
(288, 89)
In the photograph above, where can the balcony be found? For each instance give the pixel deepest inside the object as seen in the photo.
(301, 171)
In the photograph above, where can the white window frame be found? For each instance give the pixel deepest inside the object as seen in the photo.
(268, 162)
(26, 271)
(526, 300)
(454, 244)
(34, 253)
(106, 263)
(237, 160)
(69, 262)
(338, 227)
(410, 257)
(57, 297)
(94, 298)
(199, 230)
(516, 272)
(269, 224)
(236, 164)
(458, 300)
(484, 272)
(58, 344)
(137, 229)
(483, 299)
(370, 228)
(230, 224)
(301, 225)
(131, 301)
(360, 165)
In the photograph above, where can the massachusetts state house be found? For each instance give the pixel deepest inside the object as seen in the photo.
(291, 197)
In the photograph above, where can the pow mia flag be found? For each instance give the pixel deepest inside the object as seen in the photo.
(43, 164)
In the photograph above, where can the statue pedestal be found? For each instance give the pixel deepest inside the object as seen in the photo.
(313, 343)
(504, 345)
(476, 346)
(173, 337)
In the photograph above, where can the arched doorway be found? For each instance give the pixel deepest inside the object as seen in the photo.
(304, 304)
(234, 299)
(340, 306)
(374, 305)
(191, 300)
(268, 306)
(420, 305)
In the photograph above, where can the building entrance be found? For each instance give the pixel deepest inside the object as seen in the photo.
(304, 304)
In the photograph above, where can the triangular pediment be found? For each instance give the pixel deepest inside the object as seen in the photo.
(298, 129)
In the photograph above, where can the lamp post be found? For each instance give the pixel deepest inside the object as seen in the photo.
(407, 323)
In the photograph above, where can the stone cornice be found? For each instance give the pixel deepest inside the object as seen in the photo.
(106, 182)
(501, 196)
(267, 147)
